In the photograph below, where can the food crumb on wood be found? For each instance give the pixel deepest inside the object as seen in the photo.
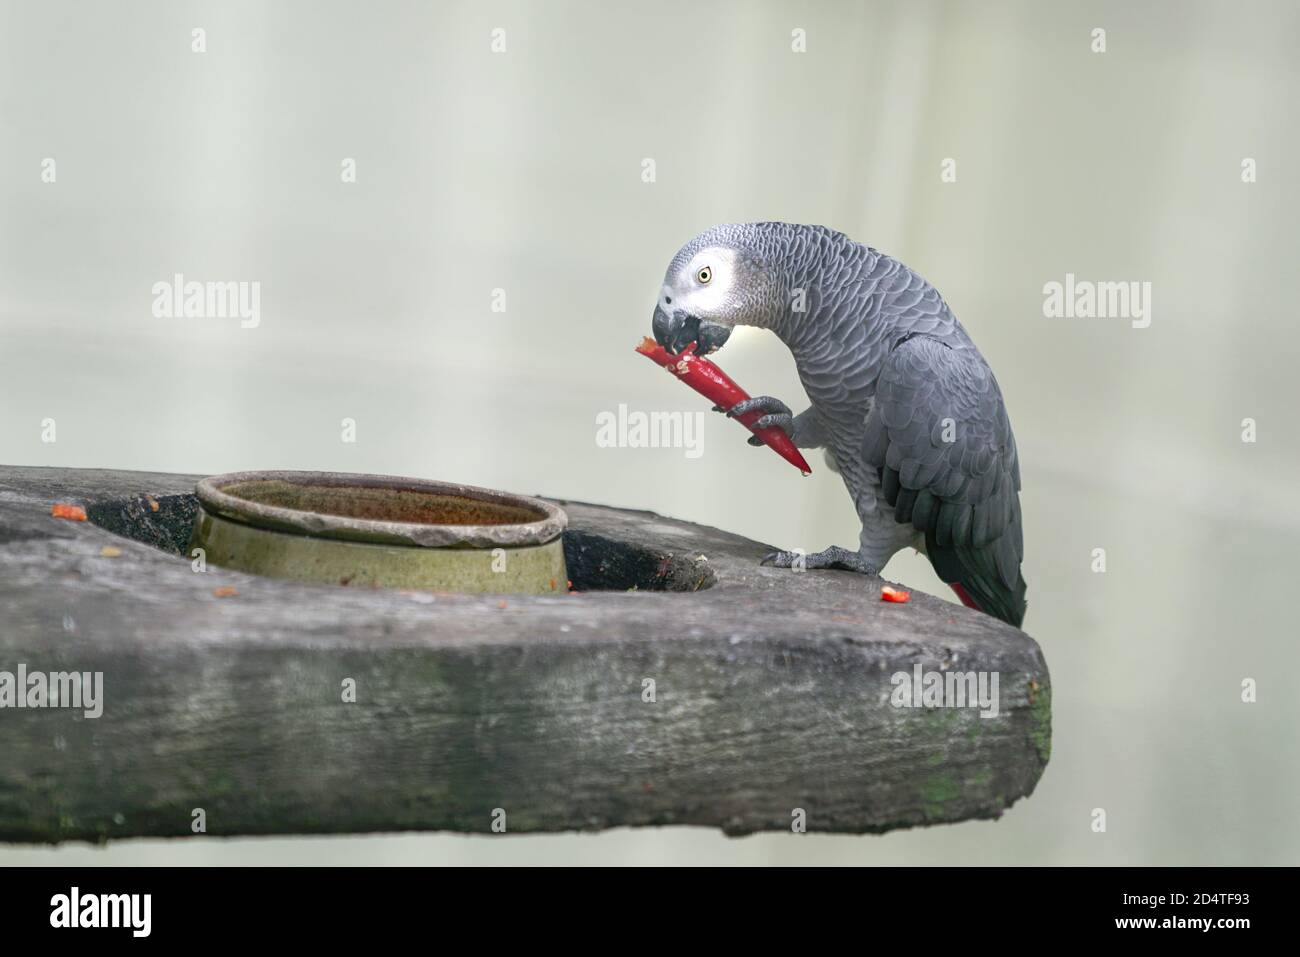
(225, 591)
(108, 551)
(73, 513)
(889, 593)
(153, 503)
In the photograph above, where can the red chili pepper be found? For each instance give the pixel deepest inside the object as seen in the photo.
(889, 593)
(719, 388)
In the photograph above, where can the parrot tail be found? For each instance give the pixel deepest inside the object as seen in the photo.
(987, 578)
(964, 596)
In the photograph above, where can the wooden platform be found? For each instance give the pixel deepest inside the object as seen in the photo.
(772, 688)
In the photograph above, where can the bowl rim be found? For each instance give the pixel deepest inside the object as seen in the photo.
(215, 500)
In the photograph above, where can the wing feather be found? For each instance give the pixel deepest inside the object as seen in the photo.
(939, 434)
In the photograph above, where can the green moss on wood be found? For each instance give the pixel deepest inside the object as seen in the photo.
(1040, 725)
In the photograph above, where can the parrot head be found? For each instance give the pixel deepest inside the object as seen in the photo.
(717, 281)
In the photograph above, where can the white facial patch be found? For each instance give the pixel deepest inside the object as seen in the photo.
(710, 299)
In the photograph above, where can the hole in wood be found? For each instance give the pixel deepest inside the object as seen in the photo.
(595, 562)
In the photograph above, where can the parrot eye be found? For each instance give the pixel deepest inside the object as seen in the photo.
(704, 275)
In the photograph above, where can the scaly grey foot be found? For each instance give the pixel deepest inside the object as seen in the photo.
(833, 557)
(777, 414)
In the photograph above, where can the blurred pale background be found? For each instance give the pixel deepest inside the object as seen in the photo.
(522, 171)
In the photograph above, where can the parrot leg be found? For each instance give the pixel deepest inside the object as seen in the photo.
(833, 557)
(777, 414)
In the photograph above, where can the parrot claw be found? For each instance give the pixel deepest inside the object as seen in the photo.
(776, 414)
(833, 557)
(759, 403)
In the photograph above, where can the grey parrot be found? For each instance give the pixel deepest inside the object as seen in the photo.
(903, 403)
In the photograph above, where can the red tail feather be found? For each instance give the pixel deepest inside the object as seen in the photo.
(964, 595)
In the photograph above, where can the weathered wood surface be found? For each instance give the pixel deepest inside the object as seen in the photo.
(772, 689)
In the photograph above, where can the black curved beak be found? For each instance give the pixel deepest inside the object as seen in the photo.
(679, 330)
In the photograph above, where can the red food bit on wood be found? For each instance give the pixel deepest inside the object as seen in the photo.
(225, 591)
(719, 388)
(73, 513)
(889, 593)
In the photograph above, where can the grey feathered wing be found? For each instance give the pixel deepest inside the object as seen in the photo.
(939, 434)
